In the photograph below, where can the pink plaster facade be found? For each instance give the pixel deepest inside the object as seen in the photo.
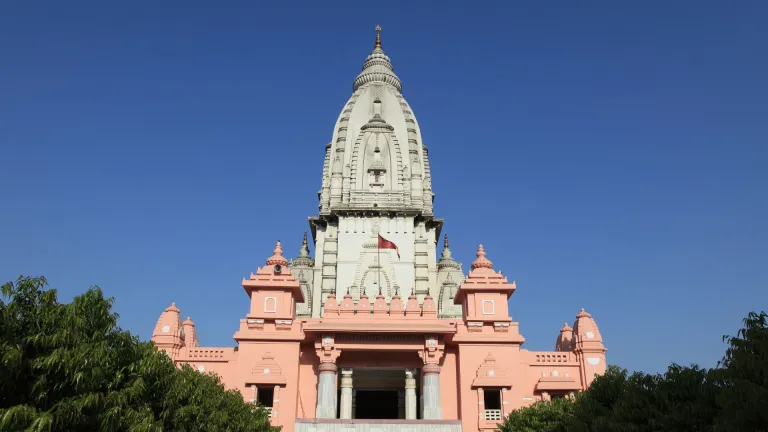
(477, 354)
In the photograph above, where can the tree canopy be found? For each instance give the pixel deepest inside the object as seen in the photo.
(66, 367)
(731, 397)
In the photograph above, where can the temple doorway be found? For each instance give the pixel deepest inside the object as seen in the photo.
(378, 393)
(376, 404)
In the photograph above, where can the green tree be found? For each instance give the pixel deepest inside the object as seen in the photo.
(539, 417)
(729, 398)
(66, 367)
(683, 399)
(744, 377)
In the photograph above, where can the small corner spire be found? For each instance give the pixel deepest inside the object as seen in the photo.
(378, 37)
(304, 251)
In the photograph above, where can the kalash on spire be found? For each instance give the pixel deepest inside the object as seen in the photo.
(375, 312)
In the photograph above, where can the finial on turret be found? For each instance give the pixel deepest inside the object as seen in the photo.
(378, 37)
(445, 241)
(277, 257)
(481, 261)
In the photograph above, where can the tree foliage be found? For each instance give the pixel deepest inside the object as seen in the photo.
(67, 367)
(731, 397)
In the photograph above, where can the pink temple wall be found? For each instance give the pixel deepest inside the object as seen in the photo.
(480, 353)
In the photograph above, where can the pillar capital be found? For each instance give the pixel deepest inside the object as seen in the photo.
(430, 369)
(328, 368)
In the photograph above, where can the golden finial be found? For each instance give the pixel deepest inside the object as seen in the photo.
(378, 37)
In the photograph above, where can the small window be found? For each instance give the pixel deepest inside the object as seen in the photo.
(265, 396)
(492, 399)
(488, 308)
(270, 304)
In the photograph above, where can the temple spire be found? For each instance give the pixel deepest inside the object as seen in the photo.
(378, 37)
(446, 249)
(304, 251)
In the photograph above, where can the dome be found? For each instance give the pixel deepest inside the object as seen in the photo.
(376, 119)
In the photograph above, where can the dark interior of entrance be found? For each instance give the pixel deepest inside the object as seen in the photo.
(376, 404)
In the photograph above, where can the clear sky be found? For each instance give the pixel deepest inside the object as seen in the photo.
(620, 151)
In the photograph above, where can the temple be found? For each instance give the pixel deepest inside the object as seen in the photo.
(377, 331)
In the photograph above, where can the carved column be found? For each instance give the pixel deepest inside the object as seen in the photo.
(346, 394)
(410, 395)
(326, 391)
(330, 251)
(421, 262)
(431, 409)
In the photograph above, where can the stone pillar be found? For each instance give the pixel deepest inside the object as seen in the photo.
(346, 394)
(431, 389)
(326, 391)
(410, 395)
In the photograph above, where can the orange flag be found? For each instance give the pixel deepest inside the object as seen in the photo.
(386, 244)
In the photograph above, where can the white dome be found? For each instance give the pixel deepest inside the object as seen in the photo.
(376, 116)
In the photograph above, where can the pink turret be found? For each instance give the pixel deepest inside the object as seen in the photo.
(273, 290)
(565, 339)
(484, 293)
(190, 334)
(169, 332)
(588, 347)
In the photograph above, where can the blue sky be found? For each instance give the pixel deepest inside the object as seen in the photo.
(620, 150)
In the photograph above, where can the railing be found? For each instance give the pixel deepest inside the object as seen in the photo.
(268, 410)
(206, 353)
(492, 414)
(554, 357)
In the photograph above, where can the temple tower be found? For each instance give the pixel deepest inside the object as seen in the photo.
(376, 181)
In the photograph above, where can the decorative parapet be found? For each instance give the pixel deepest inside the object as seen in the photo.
(207, 354)
(347, 309)
(548, 358)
